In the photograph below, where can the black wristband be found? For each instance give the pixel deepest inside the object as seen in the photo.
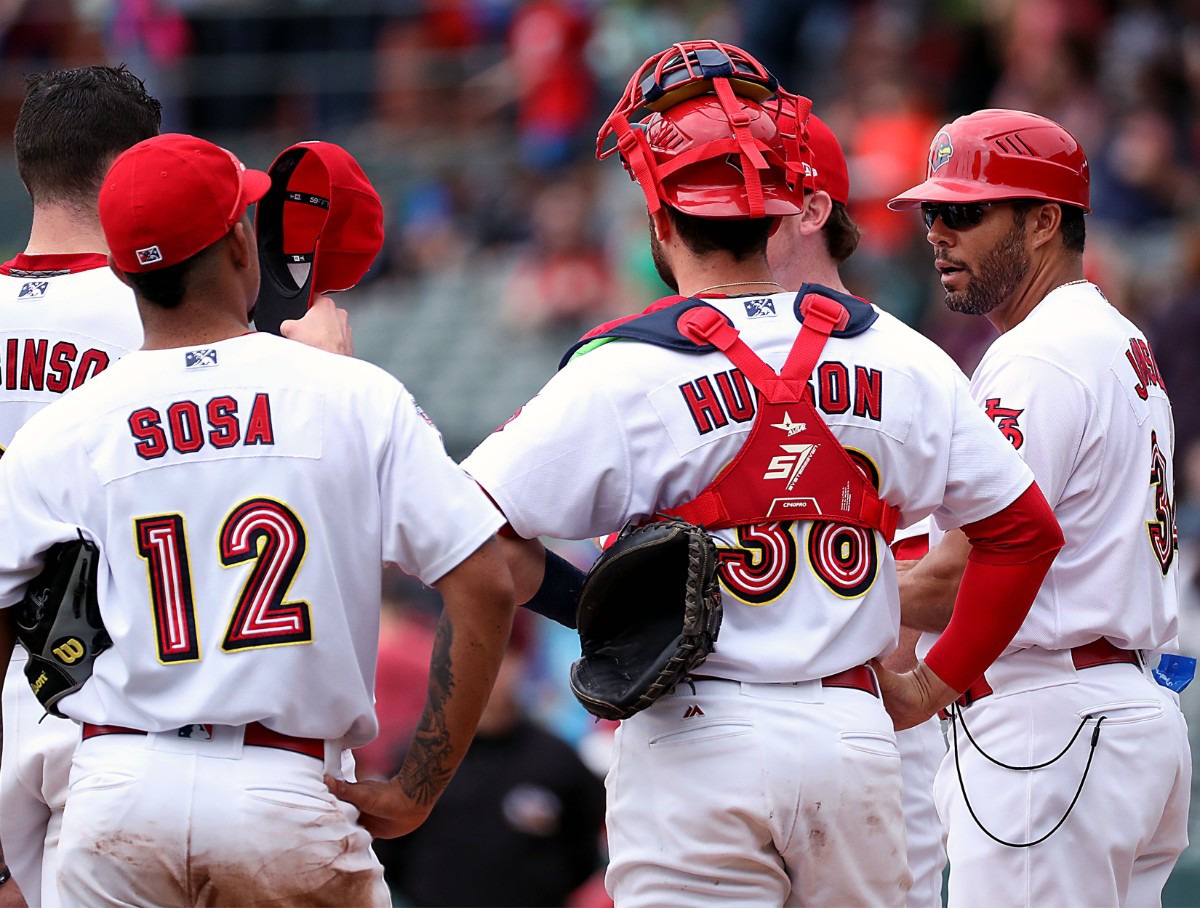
(558, 596)
(5, 876)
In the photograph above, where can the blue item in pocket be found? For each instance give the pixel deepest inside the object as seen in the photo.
(1175, 672)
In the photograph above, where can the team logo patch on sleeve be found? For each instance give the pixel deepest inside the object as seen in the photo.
(200, 359)
(762, 308)
(32, 290)
(1005, 419)
(149, 255)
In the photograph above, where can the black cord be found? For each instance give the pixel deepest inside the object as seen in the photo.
(955, 713)
(956, 710)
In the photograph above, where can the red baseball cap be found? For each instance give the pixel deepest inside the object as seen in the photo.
(321, 210)
(830, 172)
(171, 196)
(328, 213)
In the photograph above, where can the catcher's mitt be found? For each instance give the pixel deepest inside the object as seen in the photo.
(649, 612)
(58, 621)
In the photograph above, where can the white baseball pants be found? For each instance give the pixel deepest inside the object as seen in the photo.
(922, 749)
(163, 820)
(34, 770)
(1127, 828)
(757, 794)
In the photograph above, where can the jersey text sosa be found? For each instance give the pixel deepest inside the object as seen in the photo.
(186, 426)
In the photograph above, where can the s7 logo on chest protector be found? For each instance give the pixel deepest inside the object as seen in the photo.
(790, 464)
(1005, 419)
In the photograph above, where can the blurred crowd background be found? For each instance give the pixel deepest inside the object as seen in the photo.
(476, 121)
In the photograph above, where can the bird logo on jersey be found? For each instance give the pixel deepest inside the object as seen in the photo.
(940, 151)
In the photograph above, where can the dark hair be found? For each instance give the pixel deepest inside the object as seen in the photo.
(166, 287)
(841, 233)
(1071, 229)
(742, 238)
(1074, 234)
(73, 122)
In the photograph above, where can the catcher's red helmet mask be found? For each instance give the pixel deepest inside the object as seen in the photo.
(721, 140)
(992, 155)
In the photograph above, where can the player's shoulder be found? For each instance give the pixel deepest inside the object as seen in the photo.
(271, 346)
(329, 374)
(1074, 329)
(91, 307)
(905, 349)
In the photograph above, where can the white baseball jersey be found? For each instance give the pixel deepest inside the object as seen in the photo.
(63, 319)
(1075, 389)
(630, 429)
(243, 496)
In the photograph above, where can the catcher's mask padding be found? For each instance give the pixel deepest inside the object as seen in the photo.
(722, 139)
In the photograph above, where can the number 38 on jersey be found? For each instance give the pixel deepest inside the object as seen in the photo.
(763, 563)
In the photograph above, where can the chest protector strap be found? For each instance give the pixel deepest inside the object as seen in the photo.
(791, 466)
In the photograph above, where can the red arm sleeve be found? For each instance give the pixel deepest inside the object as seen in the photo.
(911, 548)
(1011, 551)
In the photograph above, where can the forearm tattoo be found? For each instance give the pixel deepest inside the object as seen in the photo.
(427, 768)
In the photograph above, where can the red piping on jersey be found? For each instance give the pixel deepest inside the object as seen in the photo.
(53, 264)
(653, 307)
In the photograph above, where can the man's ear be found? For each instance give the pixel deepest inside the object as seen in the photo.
(818, 206)
(660, 222)
(1047, 222)
(121, 276)
(240, 240)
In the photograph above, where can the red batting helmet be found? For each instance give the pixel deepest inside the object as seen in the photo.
(992, 155)
(709, 147)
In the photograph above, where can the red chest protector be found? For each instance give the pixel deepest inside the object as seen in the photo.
(791, 467)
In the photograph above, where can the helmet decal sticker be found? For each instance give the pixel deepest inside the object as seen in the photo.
(940, 151)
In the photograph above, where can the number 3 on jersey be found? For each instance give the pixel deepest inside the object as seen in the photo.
(262, 531)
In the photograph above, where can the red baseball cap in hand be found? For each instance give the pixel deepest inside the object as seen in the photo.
(319, 229)
(171, 196)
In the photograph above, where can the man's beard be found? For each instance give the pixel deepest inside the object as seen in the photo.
(660, 262)
(999, 274)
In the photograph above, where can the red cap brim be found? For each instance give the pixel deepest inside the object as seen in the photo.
(255, 184)
(936, 190)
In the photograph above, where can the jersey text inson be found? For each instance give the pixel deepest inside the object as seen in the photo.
(37, 364)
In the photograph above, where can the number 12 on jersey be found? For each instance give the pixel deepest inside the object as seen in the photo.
(262, 531)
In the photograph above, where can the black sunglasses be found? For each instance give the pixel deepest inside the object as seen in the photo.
(955, 215)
